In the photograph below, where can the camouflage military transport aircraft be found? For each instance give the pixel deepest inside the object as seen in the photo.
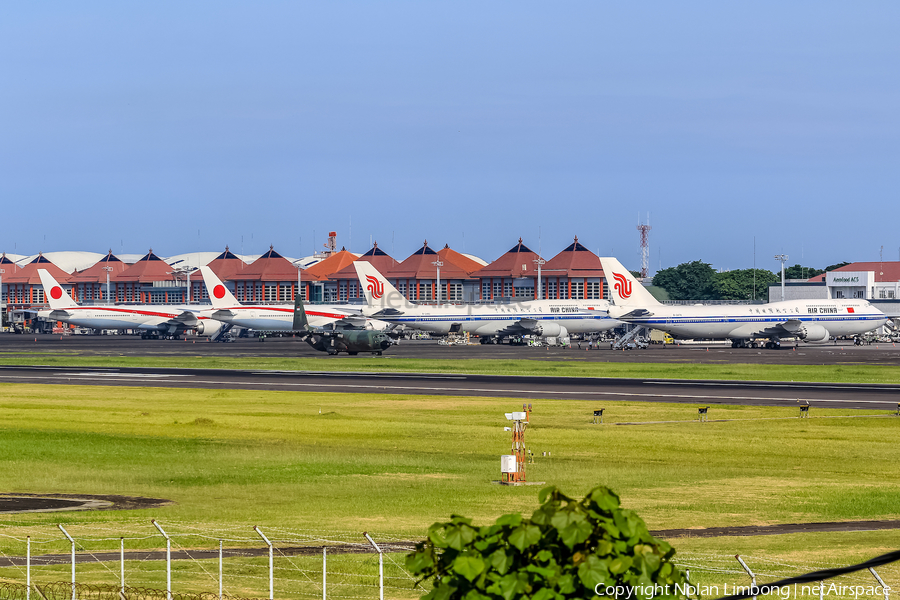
(335, 340)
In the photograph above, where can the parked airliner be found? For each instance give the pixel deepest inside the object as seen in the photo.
(153, 320)
(277, 317)
(813, 321)
(546, 318)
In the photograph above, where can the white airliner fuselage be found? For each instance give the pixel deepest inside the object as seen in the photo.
(548, 318)
(813, 321)
(168, 320)
(274, 317)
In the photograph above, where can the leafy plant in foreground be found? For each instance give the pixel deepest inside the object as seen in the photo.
(567, 549)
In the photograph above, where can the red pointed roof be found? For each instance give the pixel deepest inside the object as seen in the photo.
(462, 261)
(884, 271)
(419, 265)
(271, 266)
(227, 266)
(379, 259)
(574, 261)
(147, 270)
(326, 268)
(518, 262)
(28, 274)
(96, 273)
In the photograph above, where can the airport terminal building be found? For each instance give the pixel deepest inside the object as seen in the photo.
(425, 276)
(877, 282)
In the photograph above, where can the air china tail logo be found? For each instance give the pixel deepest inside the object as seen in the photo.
(622, 286)
(375, 286)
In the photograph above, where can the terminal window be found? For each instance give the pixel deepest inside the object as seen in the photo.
(578, 290)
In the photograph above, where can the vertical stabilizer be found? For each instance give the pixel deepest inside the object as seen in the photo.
(624, 289)
(301, 323)
(54, 294)
(379, 291)
(218, 294)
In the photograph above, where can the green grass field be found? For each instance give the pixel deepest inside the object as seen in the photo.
(310, 466)
(836, 373)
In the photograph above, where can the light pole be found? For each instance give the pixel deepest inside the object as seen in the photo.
(538, 261)
(108, 271)
(438, 263)
(2, 271)
(783, 258)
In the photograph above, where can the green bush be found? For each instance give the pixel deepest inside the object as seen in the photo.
(567, 549)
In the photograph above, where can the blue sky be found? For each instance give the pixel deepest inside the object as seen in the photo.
(189, 126)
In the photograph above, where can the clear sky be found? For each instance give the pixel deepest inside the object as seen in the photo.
(187, 126)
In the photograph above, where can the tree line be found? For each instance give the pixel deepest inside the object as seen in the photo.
(697, 280)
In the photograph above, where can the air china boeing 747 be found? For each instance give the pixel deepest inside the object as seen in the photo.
(813, 321)
(546, 318)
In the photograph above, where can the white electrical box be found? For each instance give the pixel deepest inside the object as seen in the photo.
(518, 416)
(508, 463)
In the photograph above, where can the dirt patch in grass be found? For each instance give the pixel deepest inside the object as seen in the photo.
(18, 503)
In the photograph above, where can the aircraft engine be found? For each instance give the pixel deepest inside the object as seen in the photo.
(550, 329)
(813, 334)
(208, 327)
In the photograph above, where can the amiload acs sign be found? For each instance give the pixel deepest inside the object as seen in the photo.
(846, 284)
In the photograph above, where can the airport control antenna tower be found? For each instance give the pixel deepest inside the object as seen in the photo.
(645, 247)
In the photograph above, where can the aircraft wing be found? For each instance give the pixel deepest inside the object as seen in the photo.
(635, 314)
(387, 312)
(520, 327)
(351, 322)
(186, 319)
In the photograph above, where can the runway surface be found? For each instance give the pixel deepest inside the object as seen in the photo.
(857, 396)
(714, 353)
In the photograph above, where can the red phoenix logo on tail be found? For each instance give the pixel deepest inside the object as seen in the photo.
(622, 285)
(375, 286)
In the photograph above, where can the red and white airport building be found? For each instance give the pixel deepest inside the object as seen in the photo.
(93, 278)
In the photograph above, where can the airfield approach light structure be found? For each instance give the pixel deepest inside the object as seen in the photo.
(512, 466)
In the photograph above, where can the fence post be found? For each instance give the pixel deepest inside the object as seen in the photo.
(66, 533)
(168, 560)
(220, 569)
(749, 572)
(122, 564)
(324, 572)
(884, 586)
(28, 567)
(271, 563)
(380, 565)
